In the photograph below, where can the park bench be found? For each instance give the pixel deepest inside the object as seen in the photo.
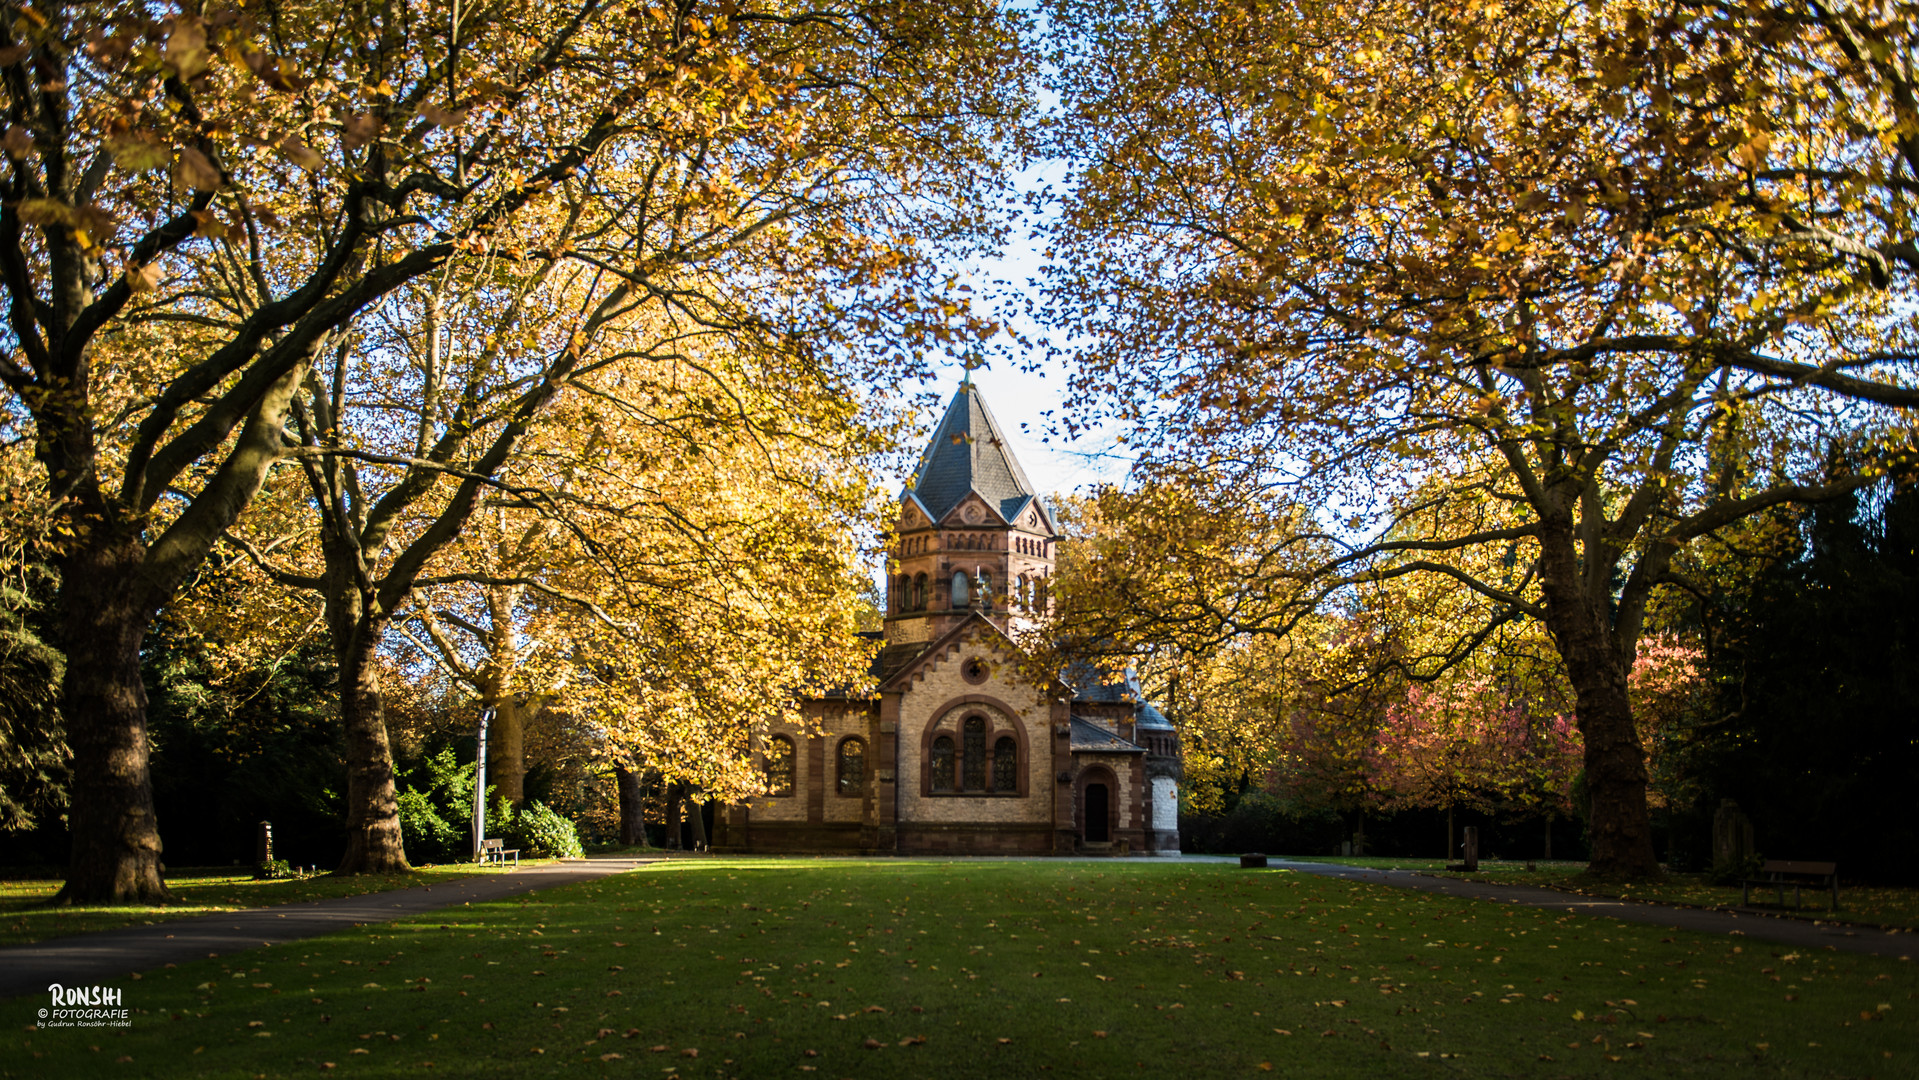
(1779, 873)
(497, 851)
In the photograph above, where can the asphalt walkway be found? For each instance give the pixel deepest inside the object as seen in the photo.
(105, 957)
(1750, 923)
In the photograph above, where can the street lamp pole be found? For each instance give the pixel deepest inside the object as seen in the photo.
(479, 788)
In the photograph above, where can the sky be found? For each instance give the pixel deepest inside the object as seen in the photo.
(1022, 400)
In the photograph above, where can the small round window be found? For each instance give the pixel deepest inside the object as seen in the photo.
(975, 671)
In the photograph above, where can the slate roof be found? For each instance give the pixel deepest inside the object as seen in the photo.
(1088, 736)
(969, 452)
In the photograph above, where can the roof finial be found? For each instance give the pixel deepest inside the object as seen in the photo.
(970, 361)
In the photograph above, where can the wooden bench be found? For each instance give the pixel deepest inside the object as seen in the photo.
(1779, 873)
(497, 851)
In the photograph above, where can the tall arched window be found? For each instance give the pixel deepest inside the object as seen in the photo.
(973, 754)
(904, 601)
(919, 593)
(986, 590)
(779, 766)
(943, 763)
(852, 766)
(959, 589)
(1005, 764)
(1039, 595)
(1024, 591)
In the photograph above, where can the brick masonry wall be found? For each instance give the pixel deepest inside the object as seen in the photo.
(816, 796)
(941, 694)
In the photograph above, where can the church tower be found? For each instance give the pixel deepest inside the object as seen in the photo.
(972, 534)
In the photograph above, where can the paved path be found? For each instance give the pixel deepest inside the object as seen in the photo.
(106, 957)
(1799, 933)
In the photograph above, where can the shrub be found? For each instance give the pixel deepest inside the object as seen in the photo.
(428, 836)
(540, 832)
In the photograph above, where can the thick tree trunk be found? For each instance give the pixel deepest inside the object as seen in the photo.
(373, 843)
(675, 802)
(632, 807)
(1615, 761)
(116, 837)
(506, 746)
(1547, 854)
(696, 816)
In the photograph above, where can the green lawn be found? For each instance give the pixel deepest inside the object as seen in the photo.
(1886, 906)
(836, 968)
(25, 916)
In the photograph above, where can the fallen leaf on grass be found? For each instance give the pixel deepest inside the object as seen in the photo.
(1281, 1031)
(872, 1044)
(611, 1057)
(913, 1040)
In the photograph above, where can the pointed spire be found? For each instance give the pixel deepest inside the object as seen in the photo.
(969, 453)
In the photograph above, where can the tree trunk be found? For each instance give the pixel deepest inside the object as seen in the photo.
(1548, 849)
(1597, 665)
(675, 801)
(696, 816)
(1449, 832)
(632, 807)
(116, 837)
(506, 746)
(373, 843)
(1359, 835)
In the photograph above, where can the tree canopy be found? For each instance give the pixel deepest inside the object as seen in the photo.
(1528, 298)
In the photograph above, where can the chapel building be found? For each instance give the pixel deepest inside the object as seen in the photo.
(958, 751)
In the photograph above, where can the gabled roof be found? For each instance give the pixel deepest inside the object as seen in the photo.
(1087, 736)
(903, 674)
(970, 453)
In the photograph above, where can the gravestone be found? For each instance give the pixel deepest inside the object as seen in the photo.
(1732, 842)
(263, 848)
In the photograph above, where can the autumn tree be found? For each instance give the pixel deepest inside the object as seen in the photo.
(1561, 290)
(737, 284)
(198, 206)
(659, 583)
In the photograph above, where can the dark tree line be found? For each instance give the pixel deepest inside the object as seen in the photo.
(1816, 671)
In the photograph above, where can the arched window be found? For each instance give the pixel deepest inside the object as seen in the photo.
(779, 766)
(1039, 595)
(1005, 764)
(904, 600)
(959, 588)
(1024, 591)
(919, 593)
(974, 754)
(943, 763)
(852, 766)
(986, 590)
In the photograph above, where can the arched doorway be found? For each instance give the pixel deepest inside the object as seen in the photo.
(1098, 813)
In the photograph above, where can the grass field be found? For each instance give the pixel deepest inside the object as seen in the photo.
(1887, 906)
(844, 968)
(24, 916)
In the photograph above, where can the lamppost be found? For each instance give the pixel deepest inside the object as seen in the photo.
(479, 788)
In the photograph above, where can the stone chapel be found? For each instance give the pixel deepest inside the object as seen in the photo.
(956, 752)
